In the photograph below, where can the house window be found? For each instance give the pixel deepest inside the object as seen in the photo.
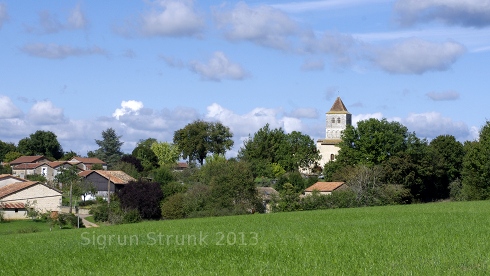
(332, 157)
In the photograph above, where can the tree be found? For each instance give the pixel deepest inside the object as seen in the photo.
(6, 148)
(167, 153)
(145, 154)
(142, 196)
(198, 139)
(476, 166)
(273, 146)
(11, 156)
(41, 143)
(372, 142)
(67, 179)
(109, 147)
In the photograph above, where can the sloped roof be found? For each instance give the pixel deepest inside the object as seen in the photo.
(116, 177)
(324, 186)
(55, 164)
(15, 187)
(267, 192)
(338, 107)
(26, 166)
(88, 160)
(5, 176)
(27, 159)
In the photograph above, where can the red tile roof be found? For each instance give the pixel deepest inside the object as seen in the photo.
(27, 159)
(27, 166)
(324, 186)
(5, 176)
(15, 187)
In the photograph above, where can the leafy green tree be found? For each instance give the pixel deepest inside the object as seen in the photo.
(6, 148)
(198, 139)
(70, 182)
(68, 155)
(476, 166)
(109, 147)
(145, 154)
(372, 142)
(166, 153)
(142, 196)
(41, 143)
(273, 146)
(11, 156)
(289, 200)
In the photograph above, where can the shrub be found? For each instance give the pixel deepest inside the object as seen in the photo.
(131, 216)
(173, 207)
(142, 196)
(2, 218)
(100, 212)
(87, 202)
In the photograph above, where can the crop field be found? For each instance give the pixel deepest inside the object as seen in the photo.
(450, 238)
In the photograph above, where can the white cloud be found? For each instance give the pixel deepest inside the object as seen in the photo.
(262, 25)
(128, 107)
(172, 18)
(416, 56)
(77, 19)
(432, 124)
(362, 117)
(309, 6)
(7, 108)
(3, 14)
(443, 96)
(469, 13)
(45, 113)
(304, 113)
(55, 51)
(219, 67)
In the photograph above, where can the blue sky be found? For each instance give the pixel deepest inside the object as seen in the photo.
(148, 68)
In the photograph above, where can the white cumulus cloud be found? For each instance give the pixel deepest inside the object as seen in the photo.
(172, 18)
(128, 107)
(7, 108)
(45, 113)
(218, 67)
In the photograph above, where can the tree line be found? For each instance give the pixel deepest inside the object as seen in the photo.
(380, 161)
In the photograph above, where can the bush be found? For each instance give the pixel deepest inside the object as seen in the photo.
(71, 220)
(131, 216)
(173, 207)
(87, 202)
(2, 218)
(142, 196)
(100, 212)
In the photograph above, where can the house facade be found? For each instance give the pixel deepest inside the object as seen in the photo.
(6, 179)
(16, 197)
(86, 163)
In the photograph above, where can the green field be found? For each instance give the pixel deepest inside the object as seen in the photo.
(451, 238)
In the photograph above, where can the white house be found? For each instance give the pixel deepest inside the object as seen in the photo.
(15, 197)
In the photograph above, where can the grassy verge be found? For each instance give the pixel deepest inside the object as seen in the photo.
(425, 239)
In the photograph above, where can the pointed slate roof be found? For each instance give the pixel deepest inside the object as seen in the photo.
(338, 107)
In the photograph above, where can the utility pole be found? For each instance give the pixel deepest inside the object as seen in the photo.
(109, 190)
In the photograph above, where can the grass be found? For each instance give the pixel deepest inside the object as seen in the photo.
(450, 238)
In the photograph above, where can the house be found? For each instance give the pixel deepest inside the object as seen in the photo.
(6, 179)
(267, 194)
(102, 179)
(16, 197)
(180, 166)
(86, 163)
(325, 188)
(24, 169)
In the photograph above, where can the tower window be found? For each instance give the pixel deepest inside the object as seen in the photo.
(338, 120)
(333, 120)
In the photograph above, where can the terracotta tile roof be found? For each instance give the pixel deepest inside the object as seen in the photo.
(27, 166)
(27, 159)
(338, 107)
(12, 205)
(324, 186)
(15, 187)
(88, 160)
(116, 177)
(5, 176)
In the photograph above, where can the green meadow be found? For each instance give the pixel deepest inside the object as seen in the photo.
(449, 238)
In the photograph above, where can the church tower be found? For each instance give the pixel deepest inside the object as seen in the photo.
(338, 118)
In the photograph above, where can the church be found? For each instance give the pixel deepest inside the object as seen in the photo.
(338, 118)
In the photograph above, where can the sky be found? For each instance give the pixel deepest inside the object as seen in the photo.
(148, 68)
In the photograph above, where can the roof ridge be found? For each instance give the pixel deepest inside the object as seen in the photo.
(338, 106)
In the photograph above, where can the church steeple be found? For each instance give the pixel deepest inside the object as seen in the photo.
(338, 118)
